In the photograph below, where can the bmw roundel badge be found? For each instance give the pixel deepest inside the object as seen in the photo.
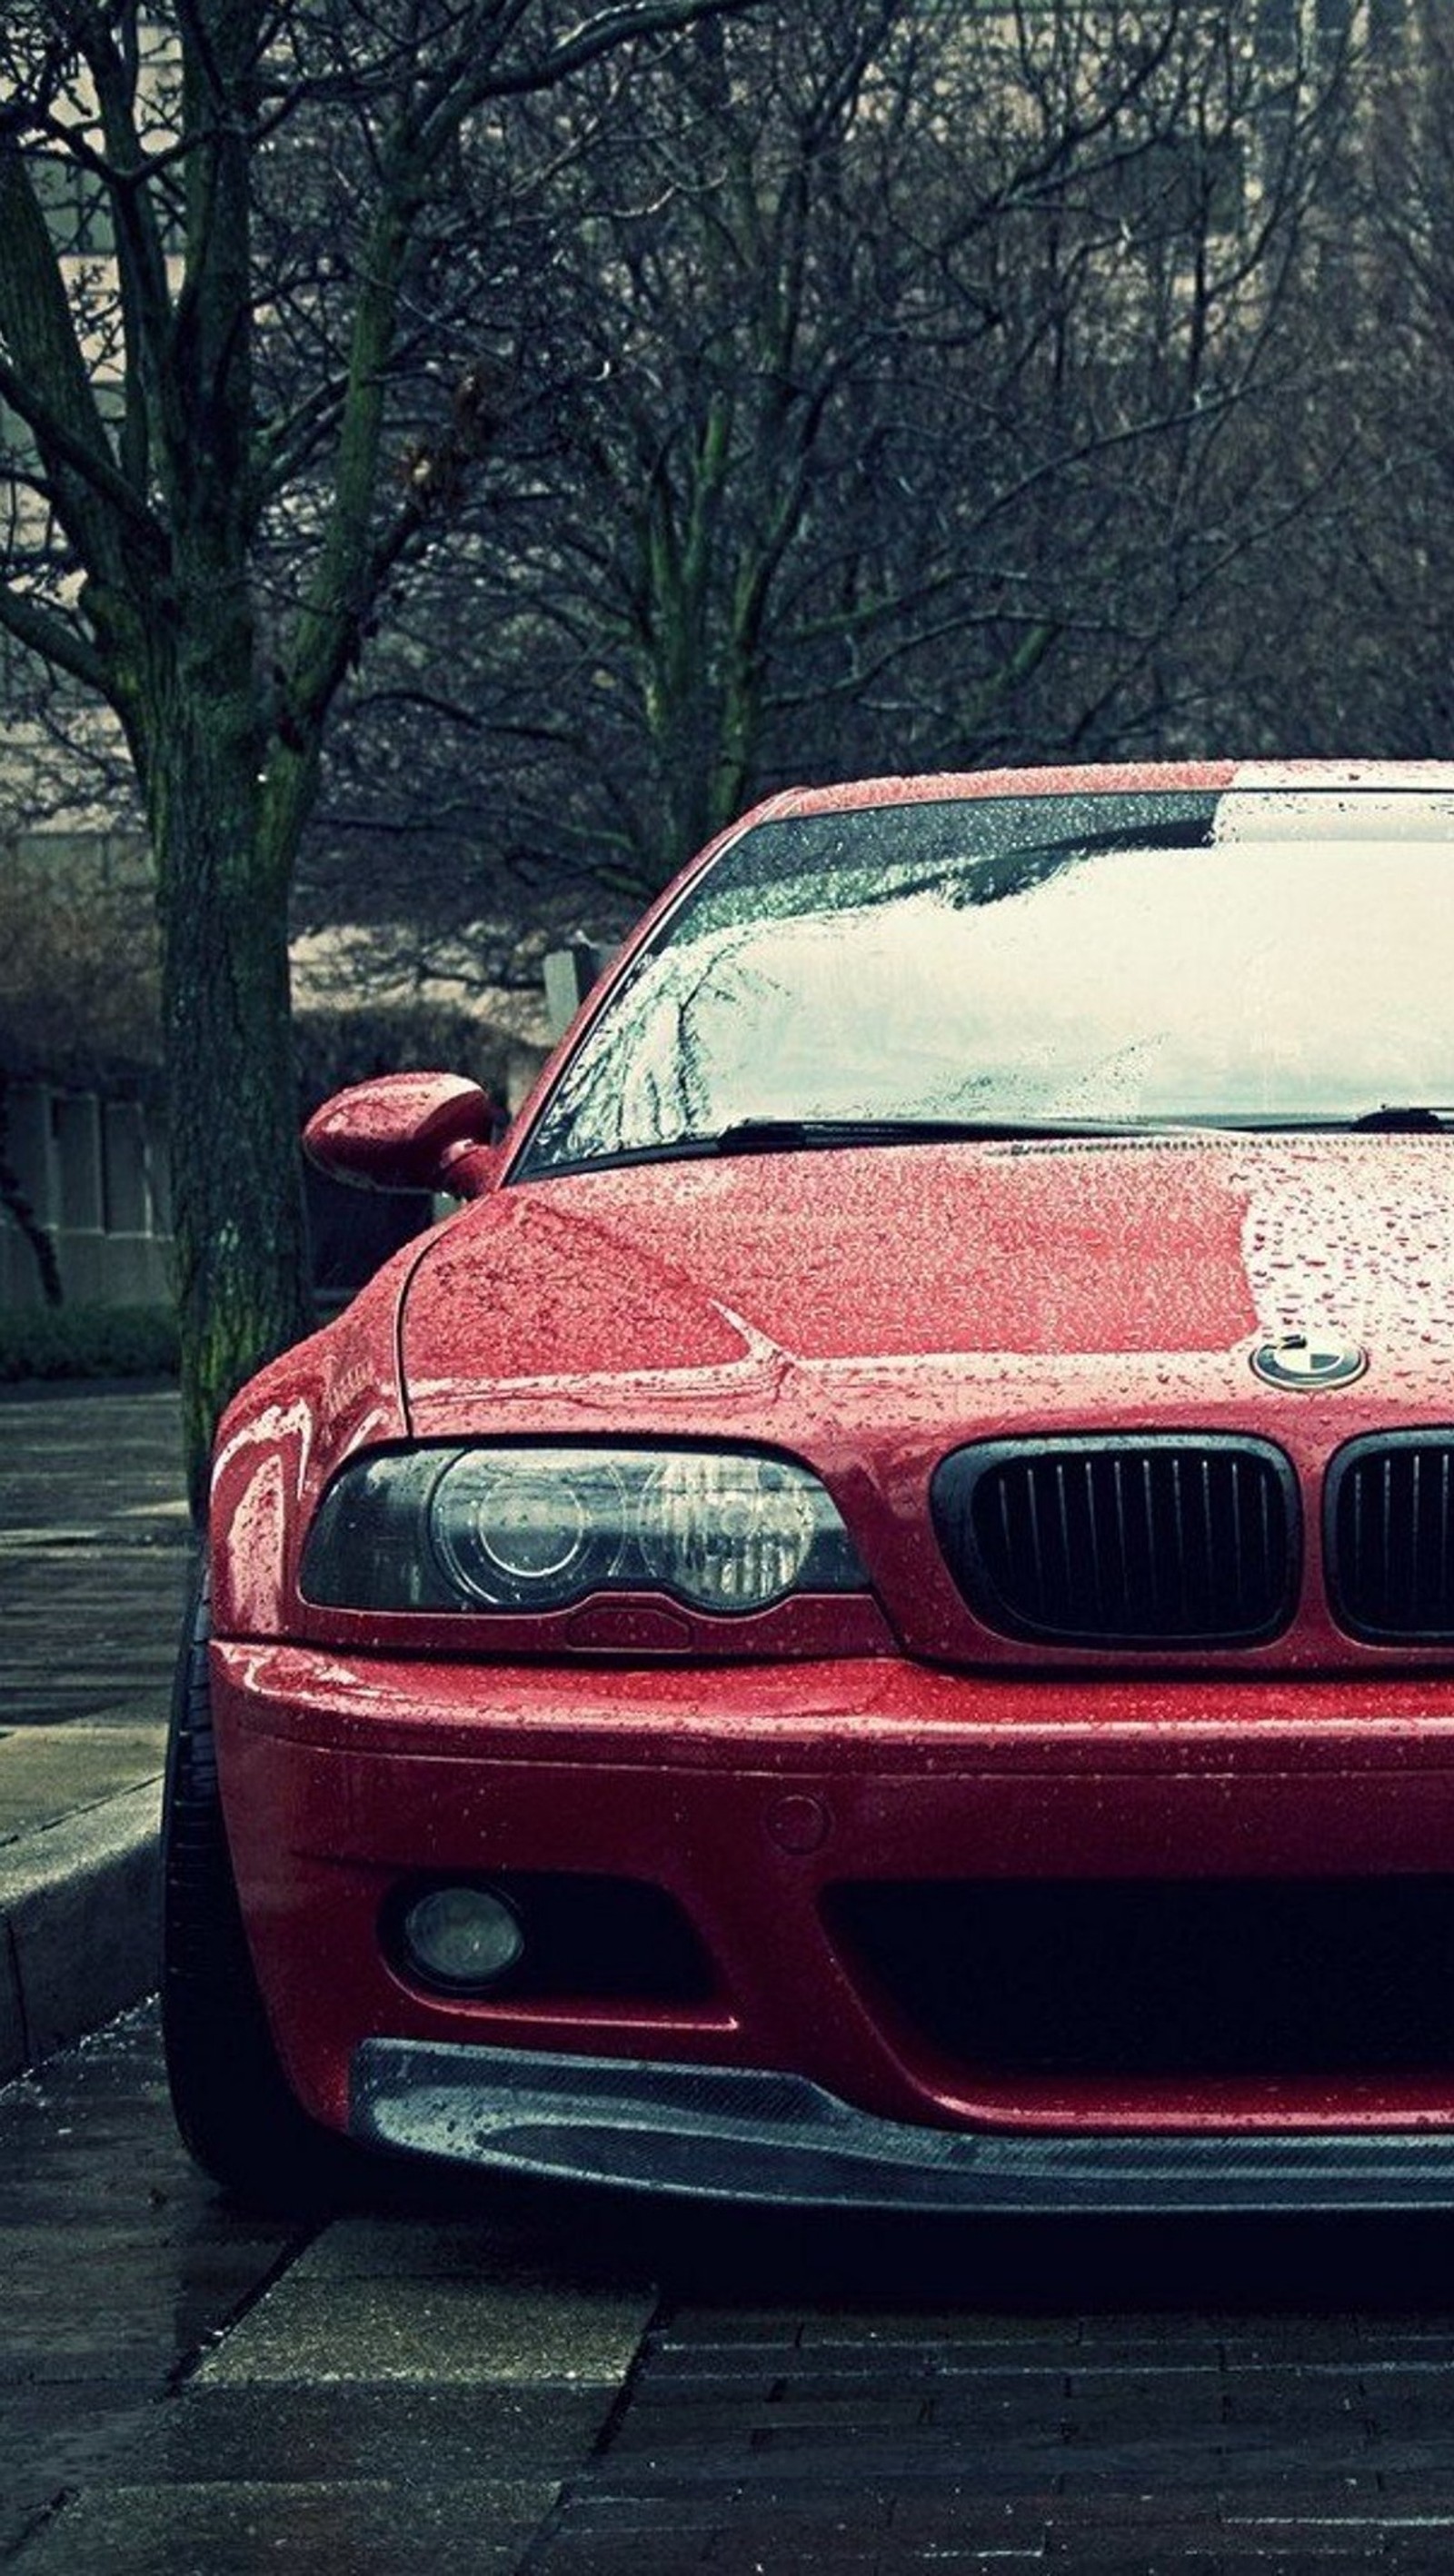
(1304, 1361)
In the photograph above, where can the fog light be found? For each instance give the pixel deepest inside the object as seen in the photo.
(463, 1937)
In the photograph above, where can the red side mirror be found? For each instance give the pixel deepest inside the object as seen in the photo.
(407, 1131)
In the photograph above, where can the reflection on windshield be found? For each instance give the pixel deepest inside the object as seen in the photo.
(1257, 956)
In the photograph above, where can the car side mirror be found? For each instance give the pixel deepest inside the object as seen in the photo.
(408, 1131)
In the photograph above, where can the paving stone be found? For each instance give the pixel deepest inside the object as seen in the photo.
(957, 2331)
(53, 2438)
(88, 1459)
(408, 2436)
(443, 2331)
(568, 2552)
(856, 2420)
(365, 2528)
(846, 2371)
(697, 2330)
(1417, 2474)
(1181, 2384)
(1303, 2343)
(92, 1630)
(1331, 2528)
(1169, 2557)
(707, 2505)
(496, 2252)
(1205, 2497)
(1424, 2540)
(1393, 2409)
(823, 2548)
(47, 1772)
(1324, 2546)
(95, 1556)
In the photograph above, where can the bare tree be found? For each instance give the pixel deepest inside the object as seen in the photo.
(211, 457)
(902, 388)
(1365, 597)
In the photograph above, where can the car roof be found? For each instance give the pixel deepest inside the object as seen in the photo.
(1122, 778)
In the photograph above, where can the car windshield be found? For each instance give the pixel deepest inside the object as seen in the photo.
(1258, 957)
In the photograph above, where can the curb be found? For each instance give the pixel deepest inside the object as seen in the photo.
(80, 1917)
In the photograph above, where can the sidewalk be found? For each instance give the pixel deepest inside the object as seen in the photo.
(95, 1551)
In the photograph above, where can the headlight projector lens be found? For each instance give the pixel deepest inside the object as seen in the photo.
(523, 1529)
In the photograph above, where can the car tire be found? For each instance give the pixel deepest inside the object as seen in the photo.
(238, 2116)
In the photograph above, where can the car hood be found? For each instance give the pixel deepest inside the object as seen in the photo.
(1152, 1263)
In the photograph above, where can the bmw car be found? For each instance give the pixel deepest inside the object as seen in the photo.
(868, 1620)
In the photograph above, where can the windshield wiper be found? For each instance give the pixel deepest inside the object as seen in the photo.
(800, 1134)
(817, 1135)
(796, 1135)
(1397, 1118)
(745, 1136)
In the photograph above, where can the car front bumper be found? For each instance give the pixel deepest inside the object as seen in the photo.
(754, 1796)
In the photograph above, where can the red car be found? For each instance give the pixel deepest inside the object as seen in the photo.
(870, 1620)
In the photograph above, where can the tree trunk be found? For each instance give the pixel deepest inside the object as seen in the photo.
(15, 1202)
(241, 1246)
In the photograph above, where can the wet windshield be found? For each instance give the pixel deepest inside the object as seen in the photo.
(1256, 956)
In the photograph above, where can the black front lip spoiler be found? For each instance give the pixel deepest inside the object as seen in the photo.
(728, 2133)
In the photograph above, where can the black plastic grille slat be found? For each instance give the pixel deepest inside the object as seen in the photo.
(1390, 1537)
(1158, 1541)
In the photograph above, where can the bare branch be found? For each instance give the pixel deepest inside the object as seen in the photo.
(51, 638)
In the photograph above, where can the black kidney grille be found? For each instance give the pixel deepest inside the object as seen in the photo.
(1390, 1536)
(1132, 1542)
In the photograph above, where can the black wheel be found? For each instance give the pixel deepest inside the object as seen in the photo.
(238, 2116)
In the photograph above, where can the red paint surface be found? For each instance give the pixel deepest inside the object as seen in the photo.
(890, 1253)
(864, 1312)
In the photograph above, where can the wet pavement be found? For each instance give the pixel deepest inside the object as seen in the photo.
(184, 2387)
(456, 2380)
(95, 1550)
(95, 1559)
(119, 2263)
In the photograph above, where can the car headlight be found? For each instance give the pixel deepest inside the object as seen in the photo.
(524, 1528)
